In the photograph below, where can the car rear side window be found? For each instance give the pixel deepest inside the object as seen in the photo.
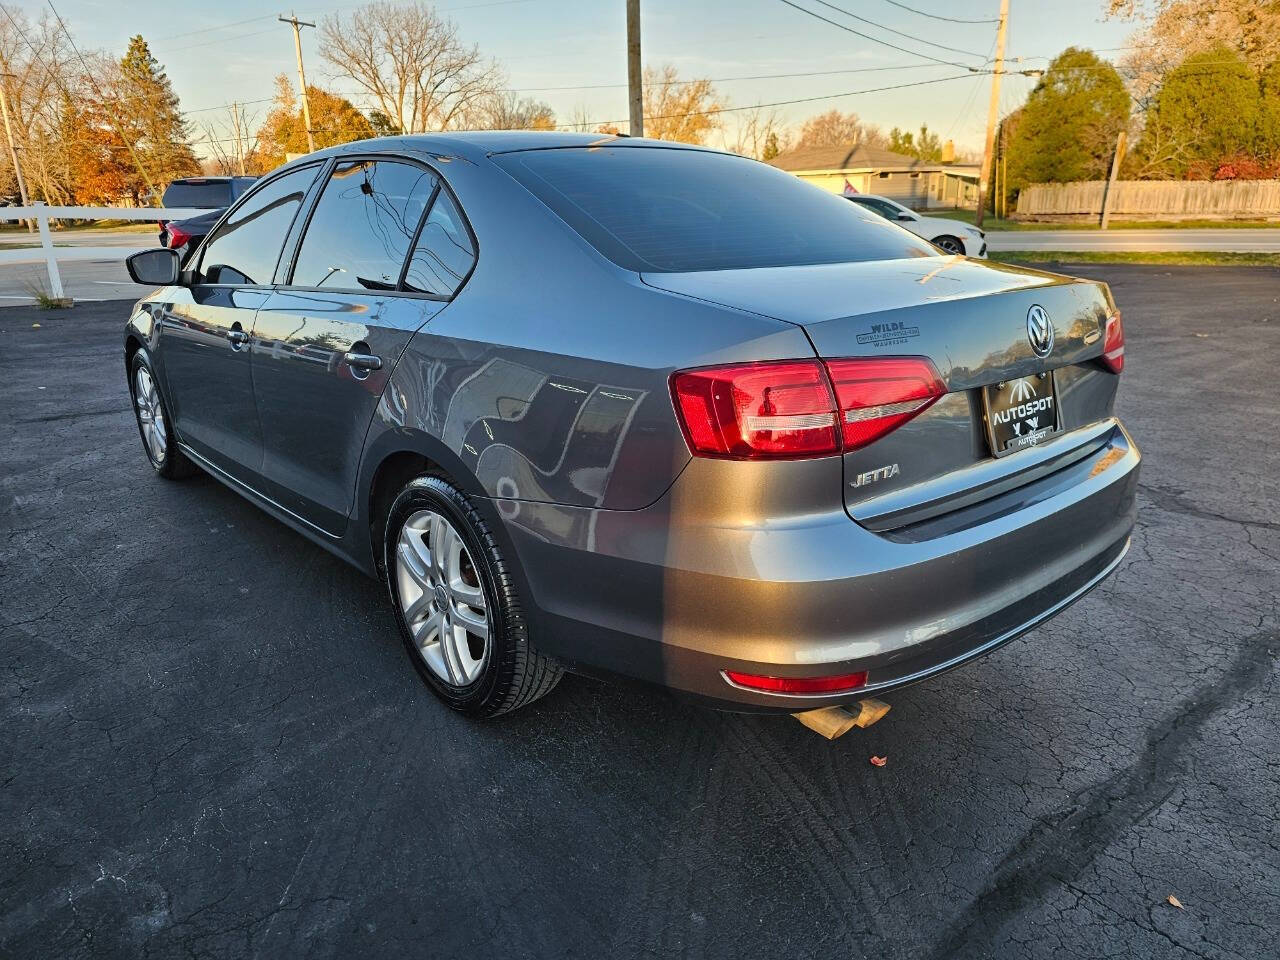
(444, 253)
(363, 226)
(655, 209)
(244, 250)
(198, 193)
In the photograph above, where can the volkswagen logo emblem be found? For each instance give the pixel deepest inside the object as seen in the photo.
(1040, 331)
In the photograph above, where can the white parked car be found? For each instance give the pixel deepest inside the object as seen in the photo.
(953, 236)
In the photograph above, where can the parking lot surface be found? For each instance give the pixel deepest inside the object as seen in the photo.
(215, 746)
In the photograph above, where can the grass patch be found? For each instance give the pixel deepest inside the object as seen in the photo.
(1169, 258)
(995, 223)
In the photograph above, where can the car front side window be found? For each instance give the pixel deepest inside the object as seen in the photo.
(243, 251)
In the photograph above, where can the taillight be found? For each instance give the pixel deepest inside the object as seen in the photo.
(800, 408)
(1113, 344)
(177, 237)
(879, 394)
(757, 411)
(833, 684)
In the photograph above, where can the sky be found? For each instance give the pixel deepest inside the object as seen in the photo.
(232, 50)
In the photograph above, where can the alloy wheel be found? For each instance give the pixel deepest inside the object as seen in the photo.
(150, 415)
(442, 599)
(951, 246)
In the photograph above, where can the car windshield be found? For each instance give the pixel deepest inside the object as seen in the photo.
(665, 210)
(198, 193)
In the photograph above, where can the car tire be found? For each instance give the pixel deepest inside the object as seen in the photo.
(446, 574)
(154, 424)
(952, 245)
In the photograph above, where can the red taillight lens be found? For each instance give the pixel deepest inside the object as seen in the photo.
(177, 237)
(1113, 344)
(836, 684)
(757, 411)
(879, 394)
(800, 408)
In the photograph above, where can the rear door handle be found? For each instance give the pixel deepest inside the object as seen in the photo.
(363, 361)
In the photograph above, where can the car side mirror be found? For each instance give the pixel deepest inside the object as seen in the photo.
(153, 268)
(906, 216)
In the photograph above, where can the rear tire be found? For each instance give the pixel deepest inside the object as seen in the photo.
(456, 604)
(152, 414)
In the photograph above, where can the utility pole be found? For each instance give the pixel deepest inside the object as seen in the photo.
(8, 132)
(1111, 181)
(992, 110)
(235, 113)
(302, 76)
(635, 78)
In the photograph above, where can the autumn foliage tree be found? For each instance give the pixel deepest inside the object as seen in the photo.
(682, 110)
(334, 120)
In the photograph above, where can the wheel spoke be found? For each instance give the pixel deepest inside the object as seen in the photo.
(472, 621)
(429, 630)
(452, 659)
(465, 593)
(418, 607)
(417, 562)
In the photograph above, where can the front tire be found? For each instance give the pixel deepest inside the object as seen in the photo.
(152, 415)
(456, 605)
(952, 245)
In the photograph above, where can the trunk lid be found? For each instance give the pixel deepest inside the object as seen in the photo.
(971, 320)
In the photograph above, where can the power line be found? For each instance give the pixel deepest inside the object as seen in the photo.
(936, 16)
(760, 76)
(883, 43)
(779, 103)
(223, 106)
(209, 43)
(909, 36)
(222, 26)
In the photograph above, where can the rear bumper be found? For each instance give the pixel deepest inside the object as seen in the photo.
(691, 587)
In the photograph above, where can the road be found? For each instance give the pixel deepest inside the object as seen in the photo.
(214, 745)
(1146, 241)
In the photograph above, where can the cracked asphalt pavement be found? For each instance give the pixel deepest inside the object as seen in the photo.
(213, 745)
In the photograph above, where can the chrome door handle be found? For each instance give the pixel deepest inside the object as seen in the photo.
(238, 338)
(363, 361)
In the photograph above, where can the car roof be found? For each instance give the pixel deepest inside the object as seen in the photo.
(477, 144)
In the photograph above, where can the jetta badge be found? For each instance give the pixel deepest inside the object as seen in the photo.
(1040, 331)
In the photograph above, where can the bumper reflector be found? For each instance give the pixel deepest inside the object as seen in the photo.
(836, 684)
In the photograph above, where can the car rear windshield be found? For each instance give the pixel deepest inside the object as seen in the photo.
(664, 210)
(198, 193)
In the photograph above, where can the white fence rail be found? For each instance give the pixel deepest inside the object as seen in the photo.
(42, 214)
(1166, 199)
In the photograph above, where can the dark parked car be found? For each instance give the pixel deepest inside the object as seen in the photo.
(214, 193)
(633, 408)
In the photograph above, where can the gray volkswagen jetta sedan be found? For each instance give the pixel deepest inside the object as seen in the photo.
(639, 409)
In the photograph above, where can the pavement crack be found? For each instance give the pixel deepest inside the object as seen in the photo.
(1059, 846)
(1171, 502)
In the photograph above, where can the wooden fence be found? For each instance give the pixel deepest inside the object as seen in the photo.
(1160, 199)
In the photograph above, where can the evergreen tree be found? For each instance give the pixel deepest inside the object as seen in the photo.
(1067, 129)
(1207, 111)
(147, 112)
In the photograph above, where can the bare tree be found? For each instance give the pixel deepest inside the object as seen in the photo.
(836, 129)
(506, 110)
(38, 59)
(410, 62)
(580, 121)
(756, 132)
